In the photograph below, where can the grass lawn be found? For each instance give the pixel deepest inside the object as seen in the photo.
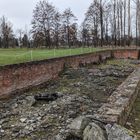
(13, 56)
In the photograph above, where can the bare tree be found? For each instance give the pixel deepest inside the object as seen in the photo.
(92, 22)
(124, 22)
(68, 20)
(6, 32)
(129, 23)
(101, 22)
(20, 34)
(121, 22)
(57, 28)
(107, 22)
(137, 2)
(85, 34)
(43, 20)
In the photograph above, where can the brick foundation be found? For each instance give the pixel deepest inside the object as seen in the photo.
(25, 75)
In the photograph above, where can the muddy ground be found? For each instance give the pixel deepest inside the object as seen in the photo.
(80, 91)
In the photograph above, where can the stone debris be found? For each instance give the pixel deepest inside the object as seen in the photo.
(94, 130)
(23, 120)
(78, 125)
(117, 132)
(77, 93)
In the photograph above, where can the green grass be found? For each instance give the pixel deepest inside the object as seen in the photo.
(14, 56)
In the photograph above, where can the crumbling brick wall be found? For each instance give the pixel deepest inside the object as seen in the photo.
(25, 75)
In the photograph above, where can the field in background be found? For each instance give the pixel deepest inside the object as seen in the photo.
(14, 56)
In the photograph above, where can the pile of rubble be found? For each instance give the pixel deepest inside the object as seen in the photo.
(48, 113)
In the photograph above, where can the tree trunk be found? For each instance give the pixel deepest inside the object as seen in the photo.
(101, 22)
(129, 23)
(124, 22)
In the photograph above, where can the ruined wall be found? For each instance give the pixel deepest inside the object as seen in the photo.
(120, 103)
(22, 76)
(26, 75)
(125, 54)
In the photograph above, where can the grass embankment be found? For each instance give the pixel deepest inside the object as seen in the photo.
(14, 56)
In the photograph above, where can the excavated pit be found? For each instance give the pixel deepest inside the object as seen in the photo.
(80, 91)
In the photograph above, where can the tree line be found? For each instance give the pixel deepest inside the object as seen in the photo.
(106, 23)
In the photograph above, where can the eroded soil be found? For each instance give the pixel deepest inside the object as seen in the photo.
(83, 91)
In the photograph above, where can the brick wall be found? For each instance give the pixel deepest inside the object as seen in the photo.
(120, 103)
(26, 75)
(22, 76)
(124, 54)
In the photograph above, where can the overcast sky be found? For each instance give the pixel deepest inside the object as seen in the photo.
(19, 12)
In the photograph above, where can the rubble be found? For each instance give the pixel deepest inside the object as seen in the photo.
(78, 92)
